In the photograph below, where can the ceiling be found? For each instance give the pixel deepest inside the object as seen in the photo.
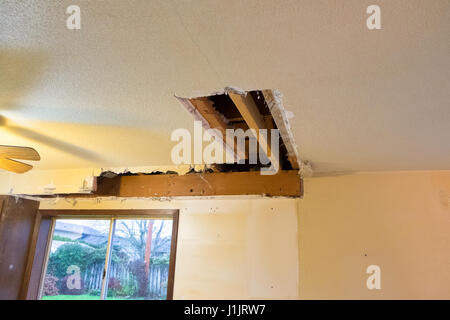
(103, 96)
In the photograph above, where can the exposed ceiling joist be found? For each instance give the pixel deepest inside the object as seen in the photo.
(206, 108)
(207, 121)
(249, 111)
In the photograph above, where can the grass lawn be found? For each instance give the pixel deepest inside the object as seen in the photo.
(82, 297)
(70, 297)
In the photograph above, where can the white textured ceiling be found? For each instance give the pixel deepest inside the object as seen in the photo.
(103, 96)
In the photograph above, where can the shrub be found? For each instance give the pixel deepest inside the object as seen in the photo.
(50, 287)
(114, 283)
(128, 290)
(162, 259)
(67, 255)
(94, 292)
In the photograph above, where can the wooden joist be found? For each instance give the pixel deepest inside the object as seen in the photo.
(202, 110)
(284, 183)
(206, 109)
(216, 121)
(249, 111)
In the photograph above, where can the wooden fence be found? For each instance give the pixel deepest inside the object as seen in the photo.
(157, 281)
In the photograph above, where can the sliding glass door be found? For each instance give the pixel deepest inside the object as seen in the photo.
(114, 259)
(145, 246)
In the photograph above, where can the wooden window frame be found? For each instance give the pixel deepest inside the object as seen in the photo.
(33, 279)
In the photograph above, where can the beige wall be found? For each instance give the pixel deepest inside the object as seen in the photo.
(47, 182)
(228, 248)
(249, 248)
(397, 220)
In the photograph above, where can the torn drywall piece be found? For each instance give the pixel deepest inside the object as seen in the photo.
(49, 189)
(274, 102)
(306, 170)
(89, 185)
(179, 169)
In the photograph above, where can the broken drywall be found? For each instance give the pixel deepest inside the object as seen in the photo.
(225, 90)
(273, 99)
(48, 182)
(274, 102)
(73, 181)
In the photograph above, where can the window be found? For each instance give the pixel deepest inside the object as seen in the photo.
(114, 258)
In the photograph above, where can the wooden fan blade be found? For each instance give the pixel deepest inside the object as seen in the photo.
(23, 153)
(14, 166)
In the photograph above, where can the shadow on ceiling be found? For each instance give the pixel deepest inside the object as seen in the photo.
(19, 71)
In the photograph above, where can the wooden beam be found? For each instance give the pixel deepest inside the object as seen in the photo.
(202, 109)
(215, 121)
(284, 183)
(249, 111)
(206, 109)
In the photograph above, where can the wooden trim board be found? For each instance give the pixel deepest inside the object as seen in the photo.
(110, 213)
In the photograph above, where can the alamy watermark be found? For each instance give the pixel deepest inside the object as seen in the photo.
(259, 149)
(373, 22)
(374, 280)
(74, 277)
(73, 21)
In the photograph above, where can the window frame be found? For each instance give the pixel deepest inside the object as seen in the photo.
(113, 214)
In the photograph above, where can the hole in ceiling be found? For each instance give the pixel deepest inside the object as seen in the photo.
(237, 109)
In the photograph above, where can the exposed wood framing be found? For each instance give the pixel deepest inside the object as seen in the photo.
(257, 110)
(205, 119)
(283, 126)
(284, 183)
(252, 116)
(216, 121)
(206, 109)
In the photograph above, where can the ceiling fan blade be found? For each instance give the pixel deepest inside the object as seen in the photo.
(23, 153)
(14, 166)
